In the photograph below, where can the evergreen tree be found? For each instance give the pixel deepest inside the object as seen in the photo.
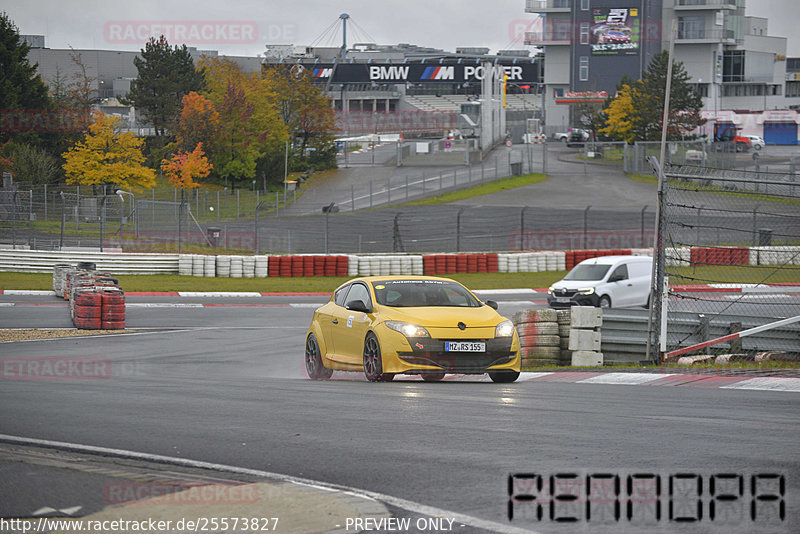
(166, 74)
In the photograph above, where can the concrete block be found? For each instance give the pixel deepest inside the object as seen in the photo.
(586, 317)
(587, 358)
(584, 339)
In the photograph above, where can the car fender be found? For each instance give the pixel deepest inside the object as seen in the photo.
(316, 329)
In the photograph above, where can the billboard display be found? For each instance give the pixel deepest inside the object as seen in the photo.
(615, 31)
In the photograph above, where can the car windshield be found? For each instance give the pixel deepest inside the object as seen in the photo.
(587, 272)
(415, 293)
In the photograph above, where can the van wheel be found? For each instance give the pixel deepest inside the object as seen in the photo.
(605, 301)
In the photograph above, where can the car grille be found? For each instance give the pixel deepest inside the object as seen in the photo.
(498, 351)
(564, 292)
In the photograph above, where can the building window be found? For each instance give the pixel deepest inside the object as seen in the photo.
(702, 89)
(792, 89)
(583, 70)
(733, 66)
(691, 28)
(584, 33)
(585, 5)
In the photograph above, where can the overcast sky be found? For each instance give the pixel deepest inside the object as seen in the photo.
(242, 27)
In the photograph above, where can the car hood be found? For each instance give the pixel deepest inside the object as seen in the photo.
(443, 316)
(575, 284)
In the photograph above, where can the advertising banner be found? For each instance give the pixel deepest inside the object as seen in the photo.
(615, 31)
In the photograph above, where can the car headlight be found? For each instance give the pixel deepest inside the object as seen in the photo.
(408, 329)
(504, 329)
(550, 290)
(586, 291)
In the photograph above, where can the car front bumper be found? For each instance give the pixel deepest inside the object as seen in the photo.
(574, 300)
(425, 355)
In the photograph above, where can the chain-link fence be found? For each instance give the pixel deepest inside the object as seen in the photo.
(731, 252)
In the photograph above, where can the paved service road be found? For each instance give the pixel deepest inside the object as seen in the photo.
(228, 387)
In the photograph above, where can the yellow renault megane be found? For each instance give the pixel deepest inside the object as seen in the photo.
(425, 325)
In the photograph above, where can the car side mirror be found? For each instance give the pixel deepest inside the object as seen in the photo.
(616, 278)
(491, 304)
(358, 305)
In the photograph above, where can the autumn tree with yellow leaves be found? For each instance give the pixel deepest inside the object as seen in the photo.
(107, 156)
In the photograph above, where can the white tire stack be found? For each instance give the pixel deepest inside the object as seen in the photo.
(223, 266)
(262, 266)
(236, 267)
(185, 265)
(209, 266)
(198, 265)
(248, 266)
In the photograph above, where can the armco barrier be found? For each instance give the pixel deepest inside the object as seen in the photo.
(375, 265)
(43, 261)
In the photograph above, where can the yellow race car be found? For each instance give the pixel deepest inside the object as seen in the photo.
(425, 325)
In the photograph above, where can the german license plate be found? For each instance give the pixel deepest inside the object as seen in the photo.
(464, 346)
(562, 299)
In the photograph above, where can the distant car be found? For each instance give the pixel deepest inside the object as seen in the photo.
(578, 137)
(423, 325)
(756, 141)
(614, 36)
(618, 281)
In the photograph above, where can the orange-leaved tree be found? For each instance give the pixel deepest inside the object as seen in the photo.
(198, 122)
(183, 168)
(108, 156)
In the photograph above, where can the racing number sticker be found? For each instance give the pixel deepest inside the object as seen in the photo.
(350, 322)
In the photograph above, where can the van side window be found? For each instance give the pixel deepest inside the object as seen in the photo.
(339, 296)
(620, 273)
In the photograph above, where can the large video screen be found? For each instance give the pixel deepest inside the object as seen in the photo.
(614, 31)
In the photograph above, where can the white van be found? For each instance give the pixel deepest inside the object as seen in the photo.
(618, 281)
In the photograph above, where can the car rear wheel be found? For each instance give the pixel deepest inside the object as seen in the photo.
(314, 366)
(504, 376)
(432, 377)
(605, 301)
(373, 362)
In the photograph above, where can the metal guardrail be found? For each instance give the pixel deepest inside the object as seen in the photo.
(624, 333)
(35, 261)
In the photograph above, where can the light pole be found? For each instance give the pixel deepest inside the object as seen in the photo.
(327, 210)
(122, 219)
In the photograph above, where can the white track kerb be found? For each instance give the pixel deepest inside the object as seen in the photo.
(364, 494)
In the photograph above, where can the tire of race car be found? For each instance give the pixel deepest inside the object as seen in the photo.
(373, 361)
(542, 315)
(315, 369)
(433, 377)
(538, 329)
(563, 317)
(503, 376)
(539, 341)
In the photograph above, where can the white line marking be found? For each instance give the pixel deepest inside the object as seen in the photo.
(767, 383)
(6, 304)
(27, 292)
(305, 305)
(164, 305)
(502, 291)
(218, 294)
(531, 376)
(624, 379)
(515, 302)
(365, 494)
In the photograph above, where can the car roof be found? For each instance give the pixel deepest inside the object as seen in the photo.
(370, 279)
(612, 260)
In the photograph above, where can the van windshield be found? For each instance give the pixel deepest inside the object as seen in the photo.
(587, 272)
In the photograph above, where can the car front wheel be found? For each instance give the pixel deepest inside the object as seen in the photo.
(504, 376)
(605, 301)
(314, 366)
(373, 361)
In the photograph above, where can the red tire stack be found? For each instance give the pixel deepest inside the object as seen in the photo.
(492, 263)
(341, 265)
(86, 308)
(308, 265)
(319, 265)
(112, 312)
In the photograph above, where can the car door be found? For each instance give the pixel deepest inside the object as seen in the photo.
(352, 326)
(329, 317)
(620, 287)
